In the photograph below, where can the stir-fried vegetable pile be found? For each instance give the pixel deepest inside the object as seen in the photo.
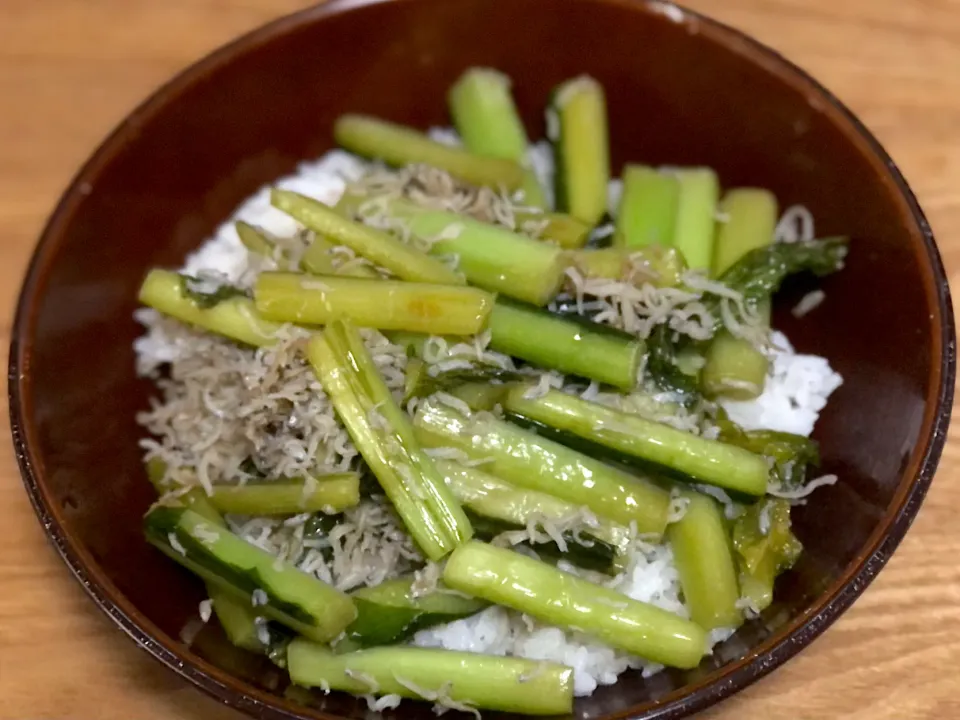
(580, 420)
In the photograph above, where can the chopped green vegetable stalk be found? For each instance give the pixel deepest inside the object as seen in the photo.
(559, 598)
(195, 498)
(704, 559)
(757, 276)
(577, 125)
(487, 120)
(583, 551)
(471, 680)
(396, 609)
(494, 258)
(734, 367)
(560, 229)
(748, 219)
(566, 344)
(254, 239)
(479, 395)
(564, 230)
(630, 435)
(765, 546)
(399, 145)
(383, 435)
(285, 594)
(422, 380)
(648, 207)
(412, 343)
(384, 304)
(656, 265)
(696, 216)
(490, 256)
(237, 619)
(329, 494)
(236, 616)
(497, 507)
(377, 246)
(526, 460)
(319, 259)
(226, 311)
(485, 116)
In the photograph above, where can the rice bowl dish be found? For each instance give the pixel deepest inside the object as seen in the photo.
(237, 414)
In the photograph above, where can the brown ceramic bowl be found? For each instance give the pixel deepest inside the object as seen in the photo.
(682, 89)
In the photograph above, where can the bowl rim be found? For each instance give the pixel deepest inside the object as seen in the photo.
(707, 690)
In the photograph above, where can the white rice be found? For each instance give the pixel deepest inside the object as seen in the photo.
(795, 393)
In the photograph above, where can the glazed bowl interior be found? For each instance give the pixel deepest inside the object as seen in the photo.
(681, 90)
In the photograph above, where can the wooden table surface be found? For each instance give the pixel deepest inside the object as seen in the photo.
(71, 69)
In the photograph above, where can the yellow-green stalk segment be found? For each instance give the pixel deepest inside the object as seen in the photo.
(488, 123)
(383, 434)
(734, 368)
(380, 304)
(400, 146)
(559, 598)
(577, 125)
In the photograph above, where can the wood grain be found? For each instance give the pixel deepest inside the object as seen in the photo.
(71, 69)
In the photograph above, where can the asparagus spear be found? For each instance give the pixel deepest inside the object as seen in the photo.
(518, 582)
(648, 207)
(526, 460)
(734, 368)
(227, 311)
(421, 381)
(759, 273)
(498, 507)
(480, 681)
(490, 256)
(319, 259)
(329, 494)
(293, 598)
(565, 344)
(385, 439)
(236, 616)
(656, 265)
(559, 228)
(393, 611)
(577, 124)
(479, 395)
(384, 304)
(633, 437)
(487, 120)
(237, 619)
(696, 213)
(400, 145)
(749, 220)
(254, 239)
(704, 559)
(379, 247)
(195, 499)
